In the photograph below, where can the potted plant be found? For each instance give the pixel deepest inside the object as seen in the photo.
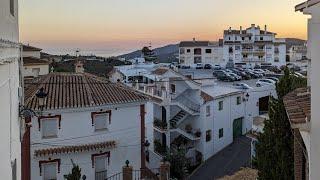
(198, 133)
(188, 128)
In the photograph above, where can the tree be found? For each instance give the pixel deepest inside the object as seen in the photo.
(75, 172)
(274, 151)
(179, 164)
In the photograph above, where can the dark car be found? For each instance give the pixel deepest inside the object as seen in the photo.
(185, 67)
(218, 72)
(225, 77)
(207, 66)
(253, 75)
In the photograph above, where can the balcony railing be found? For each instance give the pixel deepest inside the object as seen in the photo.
(101, 175)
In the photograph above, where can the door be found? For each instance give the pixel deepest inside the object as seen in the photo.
(237, 127)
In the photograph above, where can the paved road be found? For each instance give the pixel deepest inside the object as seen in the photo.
(226, 162)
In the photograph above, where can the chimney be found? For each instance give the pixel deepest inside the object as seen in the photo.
(79, 67)
(240, 29)
(230, 29)
(194, 39)
(253, 25)
(265, 29)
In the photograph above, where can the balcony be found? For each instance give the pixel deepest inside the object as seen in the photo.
(101, 175)
(160, 125)
(159, 148)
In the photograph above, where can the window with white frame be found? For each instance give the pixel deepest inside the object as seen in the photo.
(238, 100)
(208, 110)
(49, 171)
(49, 127)
(12, 7)
(101, 121)
(100, 165)
(220, 105)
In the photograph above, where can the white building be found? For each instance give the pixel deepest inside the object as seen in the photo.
(97, 124)
(200, 118)
(297, 53)
(10, 91)
(203, 52)
(253, 46)
(33, 65)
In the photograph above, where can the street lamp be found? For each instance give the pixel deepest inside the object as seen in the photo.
(41, 96)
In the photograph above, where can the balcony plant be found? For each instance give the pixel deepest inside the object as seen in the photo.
(159, 148)
(160, 124)
(188, 128)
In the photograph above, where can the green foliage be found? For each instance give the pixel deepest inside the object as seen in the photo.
(274, 157)
(179, 164)
(75, 173)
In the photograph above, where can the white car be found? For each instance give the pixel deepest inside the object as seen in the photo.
(259, 71)
(263, 82)
(242, 86)
(273, 78)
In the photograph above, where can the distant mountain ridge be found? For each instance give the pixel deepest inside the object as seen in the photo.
(169, 52)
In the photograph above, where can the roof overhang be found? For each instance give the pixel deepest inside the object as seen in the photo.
(300, 7)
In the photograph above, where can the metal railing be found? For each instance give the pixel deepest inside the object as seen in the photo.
(118, 176)
(145, 174)
(101, 175)
(183, 99)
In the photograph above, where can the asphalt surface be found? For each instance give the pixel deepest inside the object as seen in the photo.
(226, 162)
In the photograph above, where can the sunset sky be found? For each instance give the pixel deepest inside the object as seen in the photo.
(130, 24)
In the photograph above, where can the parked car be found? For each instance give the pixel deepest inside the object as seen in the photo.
(263, 82)
(273, 78)
(297, 74)
(207, 66)
(259, 71)
(242, 86)
(199, 66)
(225, 77)
(185, 67)
(236, 77)
(218, 72)
(252, 74)
(217, 67)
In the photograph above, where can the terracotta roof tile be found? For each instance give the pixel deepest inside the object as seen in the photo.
(30, 48)
(298, 105)
(74, 148)
(78, 90)
(206, 97)
(160, 71)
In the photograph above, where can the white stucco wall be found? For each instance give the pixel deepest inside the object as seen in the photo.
(31, 54)
(10, 148)
(28, 70)
(124, 129)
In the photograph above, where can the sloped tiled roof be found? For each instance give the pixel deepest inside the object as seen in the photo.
(74, 148)
(160, 71)
(206, 97)
(193, 43)
(27, 61)
(78, 90)
(298, 105)
(306, 4)
(30, 48)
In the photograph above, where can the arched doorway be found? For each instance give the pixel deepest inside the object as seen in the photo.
(237, 127)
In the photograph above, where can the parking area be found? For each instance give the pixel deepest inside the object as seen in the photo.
(207, 73)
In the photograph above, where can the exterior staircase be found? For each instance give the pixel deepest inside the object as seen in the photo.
(187, 105)
(178, 118)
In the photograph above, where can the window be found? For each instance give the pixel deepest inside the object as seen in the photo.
(12, 7)
(197, 51)
(220, 105)
(261, 38)
(173, 88)
(230, 50)
(14, 169)
(238, 100)
(181, 50)
(100, 165)
(221, 133)
(249, 38)
(197, 60)
(188, 50)
(208, 110)
(101, 121)
(242, 38)
(208, 51)
(208, 135)
(49, 128)
(49, 171)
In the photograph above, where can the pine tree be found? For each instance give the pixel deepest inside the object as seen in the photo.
(75, 173)
(274, 151)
